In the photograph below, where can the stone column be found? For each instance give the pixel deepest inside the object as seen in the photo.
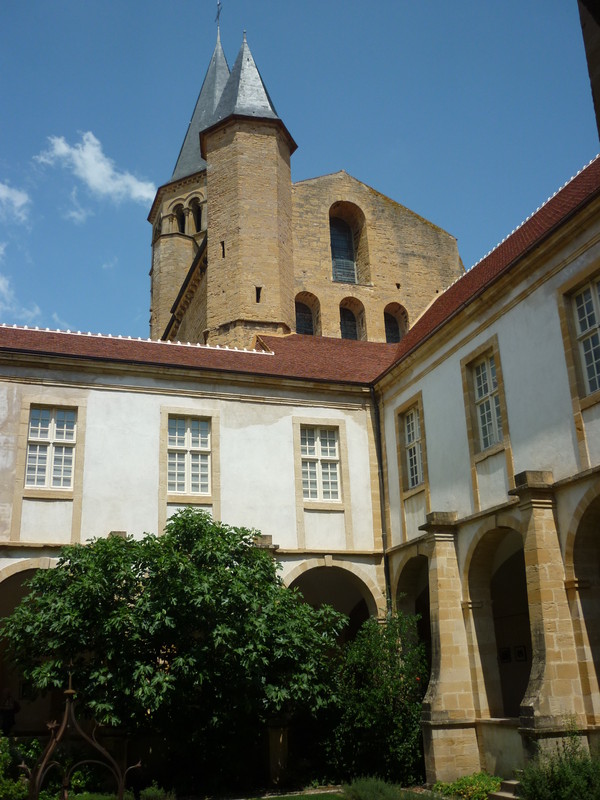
(449, 731)
(553, 702)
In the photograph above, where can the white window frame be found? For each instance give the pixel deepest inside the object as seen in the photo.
(320, 455)
(51, 442)
(586, 315)
(488, 409)
(413, 448)
(189, 455)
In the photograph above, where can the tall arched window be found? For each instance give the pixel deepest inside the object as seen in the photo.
(348, 326)
(342, 251)
(197, 214)
(304, 319)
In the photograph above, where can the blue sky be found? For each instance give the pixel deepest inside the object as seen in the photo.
(471, 113)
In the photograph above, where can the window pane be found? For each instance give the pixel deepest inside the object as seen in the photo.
(586, 317)
(176, 431)
(304, 319)
(176, 472)
(62, 467)
(413, 456)
(308, 442)
(65, 425)
(342, 251)
(309, 480)
(37, 459)
(348, 326)
(39, 423)
(392, 329)
(199, 473)
(481, 380)
(328, 440)
(199, 430)
(591, 355)
(485, 423)
(329, 474)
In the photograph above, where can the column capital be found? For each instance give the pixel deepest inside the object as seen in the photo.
(441, 524)
(534, 487)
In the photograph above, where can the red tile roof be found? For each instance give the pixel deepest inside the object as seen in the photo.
(295, 357)
(311, 357)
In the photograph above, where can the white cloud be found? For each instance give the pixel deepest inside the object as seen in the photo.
(10, 308)
(87, 161)
(110, 264)
(14, 203)
(3, 246)
(77, 213)
(60, 323)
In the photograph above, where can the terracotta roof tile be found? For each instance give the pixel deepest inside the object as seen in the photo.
(296, 357)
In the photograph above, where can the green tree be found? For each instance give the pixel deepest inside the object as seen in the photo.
(380, 686)
(190, 634)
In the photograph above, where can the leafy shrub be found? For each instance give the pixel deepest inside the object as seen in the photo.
(154, 792)
(376, 789)
(470, 787)
(379, 687)
(370, 789)
(568, 774)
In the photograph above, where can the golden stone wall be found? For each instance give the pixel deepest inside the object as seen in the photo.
(401, 257)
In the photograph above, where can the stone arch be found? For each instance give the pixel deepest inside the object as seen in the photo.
(395, 319)
(374, 599)
(196, 209)
(583, 590)
(352, 319)
(31, 715)
(497, 617)
(308, 313)
(412, 596)
(352, 216)
(179, 217)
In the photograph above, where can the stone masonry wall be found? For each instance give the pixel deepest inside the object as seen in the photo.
(410, 259)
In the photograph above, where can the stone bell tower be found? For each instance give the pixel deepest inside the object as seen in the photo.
(178, 214)
(250, 282)
(222, 260)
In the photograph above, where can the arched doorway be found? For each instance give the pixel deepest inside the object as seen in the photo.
(31, 716)
(498, 593)
(341, 589)
(586, 569)
(412, 597)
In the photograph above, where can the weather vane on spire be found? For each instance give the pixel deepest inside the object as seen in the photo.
(218, 17)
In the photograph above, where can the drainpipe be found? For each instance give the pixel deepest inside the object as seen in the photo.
(384, 536)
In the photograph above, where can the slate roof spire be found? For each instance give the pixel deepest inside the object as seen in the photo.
(190, 160)
(245, 94)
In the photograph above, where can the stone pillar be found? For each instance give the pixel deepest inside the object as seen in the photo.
(553, 702)
(449, 731)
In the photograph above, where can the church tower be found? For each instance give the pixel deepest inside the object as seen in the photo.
(222, 253)
(178, 214)
(250, 281)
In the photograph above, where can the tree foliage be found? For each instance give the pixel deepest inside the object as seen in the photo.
(380, 686)
(191, 633)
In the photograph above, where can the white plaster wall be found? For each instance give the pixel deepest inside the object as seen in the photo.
(46, 521)
(120, 480)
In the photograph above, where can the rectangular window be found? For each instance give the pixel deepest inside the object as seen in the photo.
(188, 455)
(51, 439)
(487, 403)
(586, 309)
(320, 463)
(412, 448)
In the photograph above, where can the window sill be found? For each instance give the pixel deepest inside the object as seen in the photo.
(30, 493)
(190, 499)
(413, 491)
(490, 451)
(320, 505)
(589, 400)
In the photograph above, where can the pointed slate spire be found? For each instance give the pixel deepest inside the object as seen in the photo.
(245, 93)
(217, 75)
